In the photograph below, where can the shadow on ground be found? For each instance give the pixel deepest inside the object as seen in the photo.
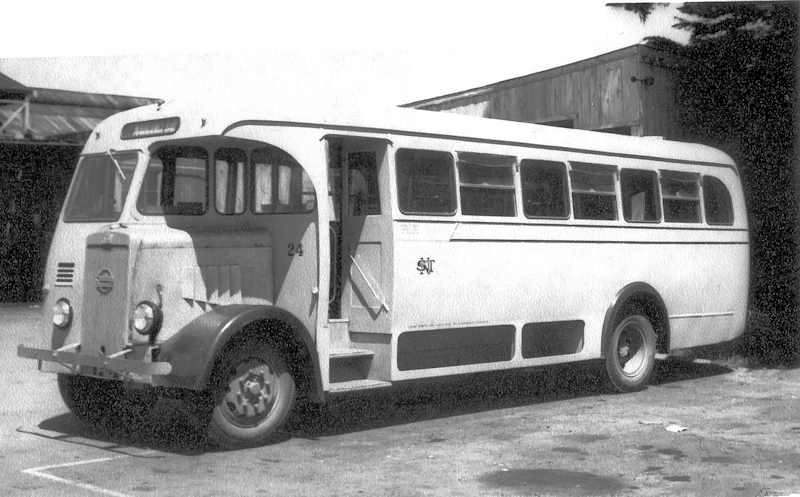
(475, 393)
(171, 427)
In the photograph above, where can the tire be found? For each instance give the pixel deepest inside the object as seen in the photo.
(93, 401)
(254, 394)
(630, 354)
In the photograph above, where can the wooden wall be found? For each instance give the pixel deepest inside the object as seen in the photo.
(595, 94)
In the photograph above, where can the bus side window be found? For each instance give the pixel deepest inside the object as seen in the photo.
(639, 196)
(594, 193)
(175, 182)
(717, 201)
(486, 184)
(680, 193)
(544, 189)
(280, 185)
(229, 168)
(425, 182)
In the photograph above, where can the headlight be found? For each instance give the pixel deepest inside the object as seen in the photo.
(146, 318)
(62, 313)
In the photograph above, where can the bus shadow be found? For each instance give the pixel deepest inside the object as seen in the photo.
(472, 394)
(169, 427)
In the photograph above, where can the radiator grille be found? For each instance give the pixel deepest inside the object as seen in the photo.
(65, 274)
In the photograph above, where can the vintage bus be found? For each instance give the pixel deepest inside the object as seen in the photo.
(257, 256)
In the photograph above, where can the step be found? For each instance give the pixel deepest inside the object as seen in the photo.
(356, 385)
(350, 353)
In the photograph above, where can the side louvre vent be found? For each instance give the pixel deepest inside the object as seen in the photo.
(65, 274)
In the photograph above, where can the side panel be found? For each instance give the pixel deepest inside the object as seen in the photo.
(460, 272)
(490, 275)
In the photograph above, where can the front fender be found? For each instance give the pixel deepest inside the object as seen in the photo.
(193, 349)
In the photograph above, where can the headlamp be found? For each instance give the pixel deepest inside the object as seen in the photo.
(62, 313)
(146, 318)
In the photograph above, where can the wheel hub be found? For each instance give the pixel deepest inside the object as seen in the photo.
(630, 350)
(250, 394)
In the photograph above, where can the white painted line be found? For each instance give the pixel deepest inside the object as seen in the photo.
(40, 472)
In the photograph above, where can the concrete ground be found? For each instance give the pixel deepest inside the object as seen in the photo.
(551, 432)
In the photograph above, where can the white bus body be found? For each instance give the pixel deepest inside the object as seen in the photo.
(259, 254)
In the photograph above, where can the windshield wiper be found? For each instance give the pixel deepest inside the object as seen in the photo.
(111, 153)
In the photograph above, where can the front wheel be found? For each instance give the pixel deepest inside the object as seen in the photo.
(255, 393)
(630, 354)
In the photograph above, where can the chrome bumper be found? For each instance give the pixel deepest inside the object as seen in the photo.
(117, 365)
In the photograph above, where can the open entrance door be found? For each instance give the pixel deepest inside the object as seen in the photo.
(361, 236)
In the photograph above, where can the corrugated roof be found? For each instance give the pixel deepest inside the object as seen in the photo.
(9, 85)
(60, 115)
(102, 100)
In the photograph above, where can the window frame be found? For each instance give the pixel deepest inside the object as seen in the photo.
(679, 175)
(245, 181)
(503, 161)
(377, 183)
(567, 197)
(155, 153)
(74, 184)
(706, 197)
(454, 199)
(615, 181)
(274, 184)
(656, 192)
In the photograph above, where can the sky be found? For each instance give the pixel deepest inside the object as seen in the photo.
(370, 53)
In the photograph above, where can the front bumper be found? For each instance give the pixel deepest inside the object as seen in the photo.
(117, 365)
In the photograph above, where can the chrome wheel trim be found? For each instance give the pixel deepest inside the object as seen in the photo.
(631, 352)
(250, 394)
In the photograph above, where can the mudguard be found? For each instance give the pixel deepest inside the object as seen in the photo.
(628, 291)
(192, 350)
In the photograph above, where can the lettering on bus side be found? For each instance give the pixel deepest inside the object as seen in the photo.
(425, 265)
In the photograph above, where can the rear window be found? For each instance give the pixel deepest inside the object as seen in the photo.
(717, 201)
(594, 194)
(176, 182)
(425, 182)
(486, 184)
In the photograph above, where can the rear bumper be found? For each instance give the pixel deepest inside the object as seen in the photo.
(117, 365)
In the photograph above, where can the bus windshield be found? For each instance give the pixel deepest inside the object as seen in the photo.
(100, 187)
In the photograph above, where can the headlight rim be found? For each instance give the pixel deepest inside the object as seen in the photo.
(155, 323)
(55, 311)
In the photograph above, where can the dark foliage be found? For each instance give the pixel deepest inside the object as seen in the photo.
(736, 90)
(643, 10)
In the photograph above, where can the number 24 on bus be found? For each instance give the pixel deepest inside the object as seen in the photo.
(244, 259)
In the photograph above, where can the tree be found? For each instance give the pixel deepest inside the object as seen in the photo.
(736, 89)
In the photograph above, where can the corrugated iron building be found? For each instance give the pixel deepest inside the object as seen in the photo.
(627, 91)
(42, 132)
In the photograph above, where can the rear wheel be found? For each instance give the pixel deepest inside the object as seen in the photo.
(630, 354)
(255, 393)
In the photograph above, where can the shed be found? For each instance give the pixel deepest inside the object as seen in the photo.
(627, 91)
(42, 131)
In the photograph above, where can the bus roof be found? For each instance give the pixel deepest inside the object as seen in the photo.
(220, 117)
